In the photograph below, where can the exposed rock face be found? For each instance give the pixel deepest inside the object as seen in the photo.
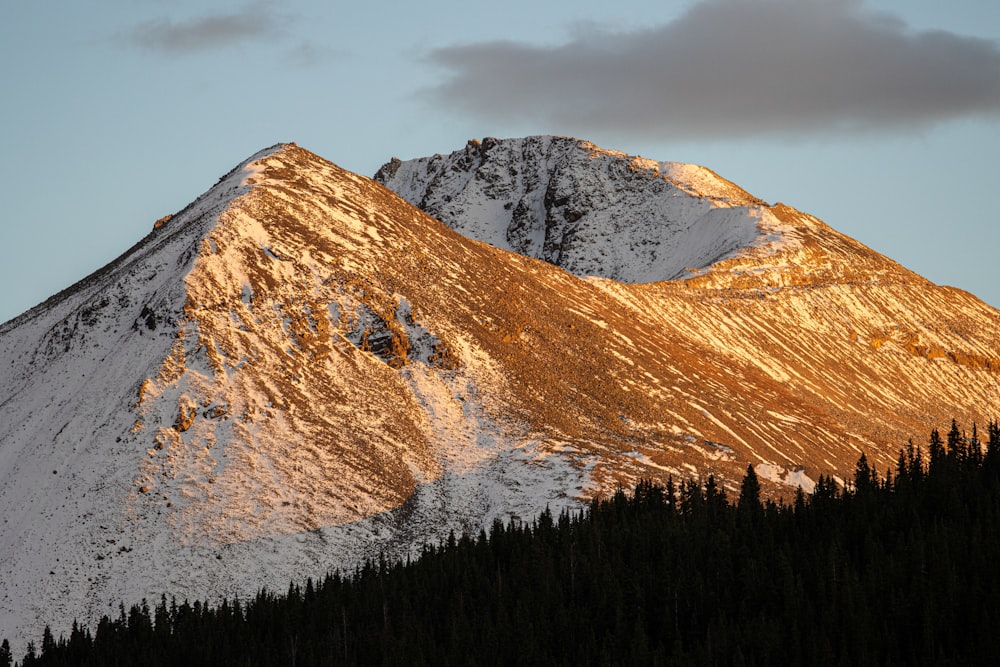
(586, 209)
(300, 369)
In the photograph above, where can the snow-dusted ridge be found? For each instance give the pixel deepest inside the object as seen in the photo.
(301, 369)
(589, 210)
(231, 185)
(72, 367)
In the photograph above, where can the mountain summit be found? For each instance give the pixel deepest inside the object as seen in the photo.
(586, 209)
(302, 369)
(596, 212)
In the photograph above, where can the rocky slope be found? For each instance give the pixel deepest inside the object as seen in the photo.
(769, 296)
(301, 369)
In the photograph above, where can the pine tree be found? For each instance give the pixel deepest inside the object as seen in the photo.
(48, 642)
(935, 449)
(799, 504)
(31, 656)
(671, 495)
(829, 580)
(975, 447)
(991, 460)
(692, 498)
(957, 445)
(749, 500)
(715, 497)
(865, 477)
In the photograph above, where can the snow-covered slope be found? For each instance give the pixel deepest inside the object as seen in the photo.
(300, 369)
(586, 209)
(243, 397)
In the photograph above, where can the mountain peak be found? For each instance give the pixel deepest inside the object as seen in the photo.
(604, 213)
(587, 209)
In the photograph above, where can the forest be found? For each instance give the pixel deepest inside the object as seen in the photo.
(893, 568)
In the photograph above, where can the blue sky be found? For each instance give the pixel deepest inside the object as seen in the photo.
(880, 117)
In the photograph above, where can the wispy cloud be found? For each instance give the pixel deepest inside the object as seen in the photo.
(309, 55)
(732, 68)
(254, 22)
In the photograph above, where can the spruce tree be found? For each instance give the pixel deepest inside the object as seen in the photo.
(935, 449)
(749, 500)
(865, 477)
(956, 442)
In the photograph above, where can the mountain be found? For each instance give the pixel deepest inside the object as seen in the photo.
(796, 327)
(592, 212)
(302, 369)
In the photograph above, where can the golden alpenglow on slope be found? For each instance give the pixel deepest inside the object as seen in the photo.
(302, 369)
(757, 333)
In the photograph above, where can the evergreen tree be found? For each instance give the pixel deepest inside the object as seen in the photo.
(749, 500)
(957, 445)
(715, 497)
(935, 449)
(30, 657)
(692, 498)
(865, 477)
(975, 446)
(991, 458)
(48, 641)
(671, 495)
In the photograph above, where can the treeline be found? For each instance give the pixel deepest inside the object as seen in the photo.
(896, 569)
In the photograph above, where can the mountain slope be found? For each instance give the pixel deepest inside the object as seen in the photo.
(782, 301)
(300, 369)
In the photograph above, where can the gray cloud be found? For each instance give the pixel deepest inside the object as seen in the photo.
(732, 68)
(204, 33)
(310, 55)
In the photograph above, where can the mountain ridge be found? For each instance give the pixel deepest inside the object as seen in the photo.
(300, 370)
(490, 171)
(574, 205)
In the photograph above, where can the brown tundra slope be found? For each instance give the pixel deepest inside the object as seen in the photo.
(738, 333)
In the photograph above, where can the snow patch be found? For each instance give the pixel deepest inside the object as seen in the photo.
(795, 477)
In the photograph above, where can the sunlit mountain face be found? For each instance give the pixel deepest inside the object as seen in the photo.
(302, 368)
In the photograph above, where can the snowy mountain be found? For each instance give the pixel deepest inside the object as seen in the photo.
(588, 210)
(301, 369)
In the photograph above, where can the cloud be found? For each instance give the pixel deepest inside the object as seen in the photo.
(732, 68)
(204, 33)
(310, 55)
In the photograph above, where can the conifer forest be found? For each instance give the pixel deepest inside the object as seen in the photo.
(894, 567)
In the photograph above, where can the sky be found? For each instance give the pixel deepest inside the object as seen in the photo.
(881, 117)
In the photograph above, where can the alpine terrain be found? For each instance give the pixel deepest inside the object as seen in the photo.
(303, 369)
